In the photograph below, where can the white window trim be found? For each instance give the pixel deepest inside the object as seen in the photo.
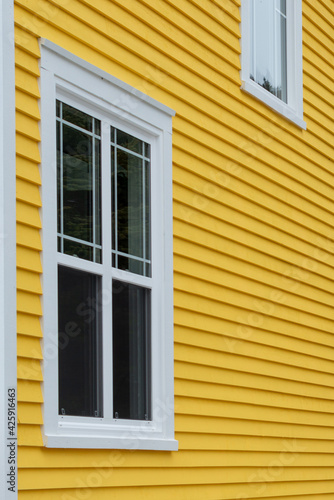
(293, 110)
(66, 76)
(8, 375)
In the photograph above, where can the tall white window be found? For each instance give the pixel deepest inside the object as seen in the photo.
(272, 55)
(107, 254)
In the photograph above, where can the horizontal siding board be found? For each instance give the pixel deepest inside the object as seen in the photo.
(28, 324)
(29, 347)
(28, 236)
(29, 435)
(29, 392)
(27, 104)
(29, 369)
(28, 192)
(28, 214)
(29, 171)
(28, 281)
(251, 364)
(235, 268)
(26, 40)
(297, 265)
(139, 477)
(239, 377)
(28, 259)
(26, 61)
(29, 413)
(239, 456)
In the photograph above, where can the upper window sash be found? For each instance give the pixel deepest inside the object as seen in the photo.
(293, 108)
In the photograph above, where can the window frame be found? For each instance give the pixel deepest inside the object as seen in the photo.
(293, 109)
(73, 80)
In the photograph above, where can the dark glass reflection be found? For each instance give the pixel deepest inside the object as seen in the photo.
(79, 344)
(131, 351)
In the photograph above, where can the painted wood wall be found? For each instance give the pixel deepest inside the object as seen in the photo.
(253, 257)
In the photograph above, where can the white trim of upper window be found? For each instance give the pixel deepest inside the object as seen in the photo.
(8, 377)
(80, 84)
(293, 109)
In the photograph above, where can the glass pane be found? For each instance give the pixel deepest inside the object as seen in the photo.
(79, 344)
(77, 117)
(77, 184)
(129, 204)
(132, 265)
(129, 142)
(268, 31)
(76, 249)
(131, 352)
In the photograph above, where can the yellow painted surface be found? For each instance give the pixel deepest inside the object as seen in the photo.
(253, 257)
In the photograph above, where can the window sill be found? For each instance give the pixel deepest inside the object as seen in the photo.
(127, 442)
(273, 102)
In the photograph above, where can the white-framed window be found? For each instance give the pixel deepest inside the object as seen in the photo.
(107, 260)
(271, 58)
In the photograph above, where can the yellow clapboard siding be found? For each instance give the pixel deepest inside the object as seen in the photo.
(128, 40)
(26, 82)
(139, 477)
(214, 136)
(294, 273)
(238, 178)
(28, 126)
(29, 435)
(27, 41)
(29, 413)
(169, 22)
(29, 391)
(247, 201)
(28, 259)
(221, 12)
(29, 369)
(221, 408)
(29, 303)
(104, 459)
(237, 267)
(186, 370)
(26, 61)
(28, 214)
(256, 365)
(194, 492)
(300, 183)
(252, 186)
(27, 104)
(188, 272)
(27, 147)
(247, 429)
(253, 198)
(323, 22)
(28, 324)
(216, 392)
(254, 343)
(29, 347)
(29, 237)
(29, 171)
(28, 192)
(306, 265)
(28, 281)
